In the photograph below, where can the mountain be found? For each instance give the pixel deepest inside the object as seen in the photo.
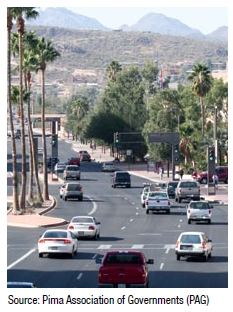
(152, 22)
(62, 17)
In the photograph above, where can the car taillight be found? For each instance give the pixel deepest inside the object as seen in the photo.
(91, 227)
(188, 210)
(180, 190)
(177, 244)
(146, 202)
(66, 241)
(169, 202)
(71, 227)
(42, 240)
(203, 245)
(210, 211)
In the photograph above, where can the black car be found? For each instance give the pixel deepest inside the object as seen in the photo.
(171, 188)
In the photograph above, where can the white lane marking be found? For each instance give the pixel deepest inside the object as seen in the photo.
(79, 276)
(94, 206)
(130, 220)
(161, 266)
(137, 247)
(104, 247)
(21, 259)
(123, 228)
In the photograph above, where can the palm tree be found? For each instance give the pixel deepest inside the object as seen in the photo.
(14, 159)
(113, 68)
(201, 85)
(45, 53)
(19, 13)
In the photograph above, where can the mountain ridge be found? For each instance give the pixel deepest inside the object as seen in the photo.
(151, 22)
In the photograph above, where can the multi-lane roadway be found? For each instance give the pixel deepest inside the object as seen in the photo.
(124, 225)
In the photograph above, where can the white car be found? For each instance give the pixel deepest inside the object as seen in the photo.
(199, 211)
(84, 226)
(57, 241)
(157, 201)
(144, 193)
(193, 244)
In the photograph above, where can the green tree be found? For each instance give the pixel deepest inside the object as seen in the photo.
(201, 84)
(113, 68)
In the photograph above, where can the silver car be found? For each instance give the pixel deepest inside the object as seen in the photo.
(71, 172)
(199, 211)
(84, 226)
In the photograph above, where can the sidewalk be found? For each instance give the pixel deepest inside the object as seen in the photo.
(39, 218)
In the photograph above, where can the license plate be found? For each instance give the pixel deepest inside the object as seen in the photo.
(53, 248)
(186, 247)
(121, 286)
(80, 232)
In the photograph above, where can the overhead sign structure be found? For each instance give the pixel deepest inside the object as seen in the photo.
(168, 137)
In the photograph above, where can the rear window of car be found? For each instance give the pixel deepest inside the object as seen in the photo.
(122, 174)
(73, 187)
(126, 259)
(158, 194)
(55, 234)
(188, 184)
(199, 205)
(72, 168)
(172, 184)
(190, 239)
(82, 220)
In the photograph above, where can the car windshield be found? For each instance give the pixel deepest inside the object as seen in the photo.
(199, 205)
(190, 239)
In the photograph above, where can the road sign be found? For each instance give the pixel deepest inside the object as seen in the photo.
(167, 137)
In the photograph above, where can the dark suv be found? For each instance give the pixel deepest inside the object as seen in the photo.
(121, 178)
(221, 172)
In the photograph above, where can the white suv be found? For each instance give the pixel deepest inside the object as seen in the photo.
(199, 211)
(193, 244)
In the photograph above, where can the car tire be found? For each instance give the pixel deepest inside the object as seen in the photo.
(40, 255)
(80, 198)
(65, 198)
(143, 205)
(177, 257)
(168, 211)
(209, 221)
(147, 211)
(179, 200)
(72, 254)
(203, 181)
(189, 221)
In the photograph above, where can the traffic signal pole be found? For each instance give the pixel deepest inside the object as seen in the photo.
(210, 169)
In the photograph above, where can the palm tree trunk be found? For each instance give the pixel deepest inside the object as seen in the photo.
(202, 117)
(22, 199)
(14, 159)
(45, 172)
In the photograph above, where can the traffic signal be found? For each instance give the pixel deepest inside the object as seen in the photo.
(116, 137)
(54, 140)
(211, 155)
(176, 154)
(176, 149)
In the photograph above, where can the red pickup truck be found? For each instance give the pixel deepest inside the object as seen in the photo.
(124, 269)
